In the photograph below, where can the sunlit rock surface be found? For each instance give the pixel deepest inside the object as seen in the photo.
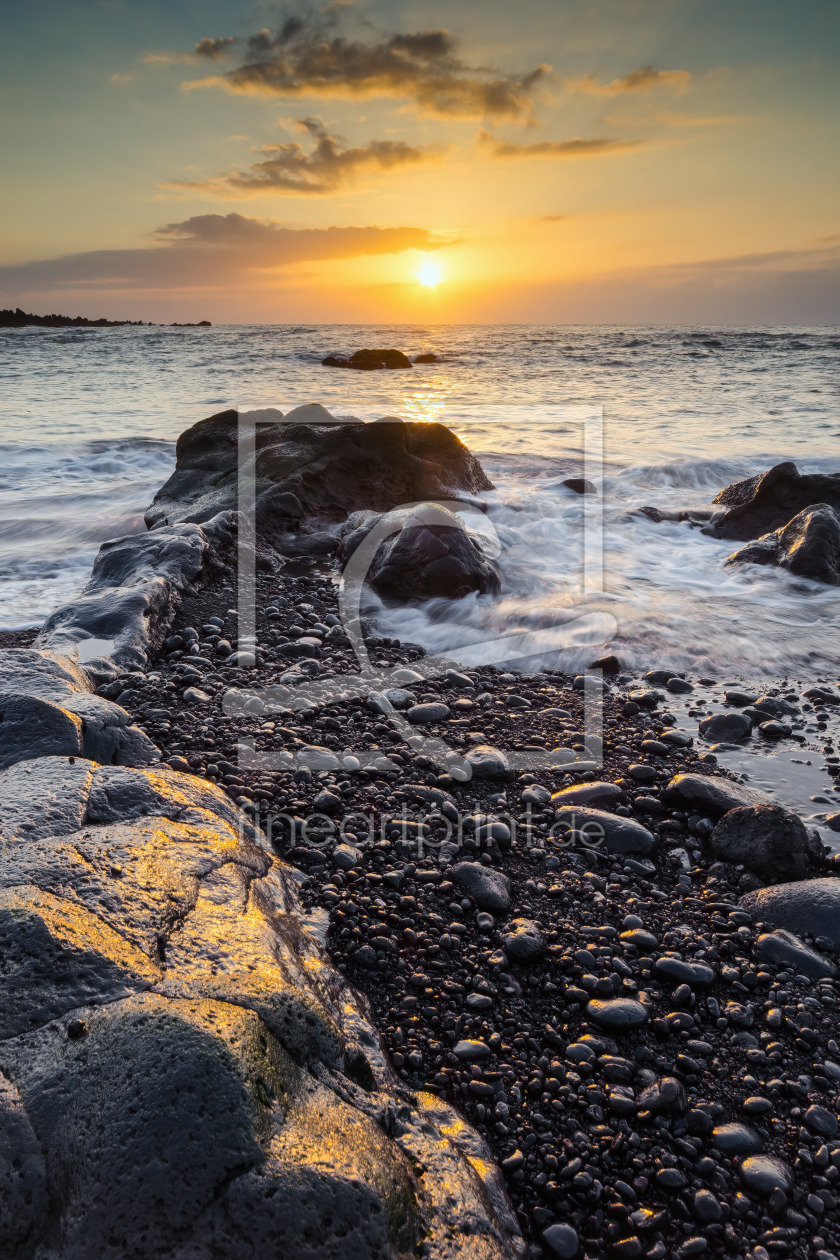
(183, 1072)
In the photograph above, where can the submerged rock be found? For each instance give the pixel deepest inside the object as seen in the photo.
(371, 360)
(770, 500)
(808, 546)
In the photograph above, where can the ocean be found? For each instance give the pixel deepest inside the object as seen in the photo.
(660, 416)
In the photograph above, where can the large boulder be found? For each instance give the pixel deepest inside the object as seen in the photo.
(769, 500)
(711, 794)
(309, 466)
(806, 906)
(182, 1072)
(808, 546)
(770, 841)
(425, 552)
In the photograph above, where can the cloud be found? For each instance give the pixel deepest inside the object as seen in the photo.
(215, 49)
(289, 168)
(555, 148)
(641, 80)
(309, 56)
(207, 251)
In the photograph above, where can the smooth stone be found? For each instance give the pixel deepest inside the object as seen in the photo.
(665, 1095)
(522, 941)
(33, 728)
(736, 1139)
(487, 762)
(244, 659)
(617, 1014)
(489, 889)
(347, 856)
(315, 757)
(422, 714)
(809, 906)
(711, 794)
(471, 1051)
(768, 840)
(762, 1174)
(561, 1241)
(642, 773)
(196, 696)
(678, 739)
(644, 941)
(820, 1121)
(723, 727)
(621, 835)
(678, 971)
(595, 794)
(785, 949)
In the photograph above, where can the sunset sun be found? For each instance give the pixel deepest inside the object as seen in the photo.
(429, 273)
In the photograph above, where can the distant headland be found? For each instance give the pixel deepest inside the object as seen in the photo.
(21, 319)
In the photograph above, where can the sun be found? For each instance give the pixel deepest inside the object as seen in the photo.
(429, 273)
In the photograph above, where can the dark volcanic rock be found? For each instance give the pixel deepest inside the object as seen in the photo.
(428, 555)
(371, 360)
(770, 841)
(770, 500)
(785, 948)
(711, 794)
(597, 827)
(808, 546)
(523, 941)
(725, 726)
(489, 889)
(809, 905)
(332, 468)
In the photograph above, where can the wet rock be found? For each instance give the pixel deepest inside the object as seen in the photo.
(725, 726)
(522, 941)
(489, 889)
(787, 950)
(36, 728)
(764, 1174)
(596, 827)
(807, 906)
(580, 485)
(809, 546)
(768, 840)
(736, 1139)
(617, 1014)
(371, 360)
(471, 1051)
(431, 555)
(770, 500)
(130, 597)
(711, 794)
(333, 468)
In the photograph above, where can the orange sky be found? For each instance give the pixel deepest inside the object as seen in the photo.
(578, 160)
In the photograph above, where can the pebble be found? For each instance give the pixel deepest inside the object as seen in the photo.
(736, 1139)
(618, 1014)
(522, 941)
(488, 763)
(489, 889)
(423, 714)
(763, 1174)
(561, 1241)
(621, 835)
(471, 1051)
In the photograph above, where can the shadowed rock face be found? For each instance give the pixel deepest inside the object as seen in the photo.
(770, 500)
(424, 553)
(808, 546)
(310, 467)
(371, 360)
(768, 840)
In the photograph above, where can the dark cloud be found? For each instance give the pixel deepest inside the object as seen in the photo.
(308, 56)
(215, 49)
(641, 80)
(206, 251)
(555, 148)
(289, 168)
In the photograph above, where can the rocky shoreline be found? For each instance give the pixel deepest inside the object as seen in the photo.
(583, 974)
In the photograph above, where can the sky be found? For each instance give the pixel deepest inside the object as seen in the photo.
(549, 161)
